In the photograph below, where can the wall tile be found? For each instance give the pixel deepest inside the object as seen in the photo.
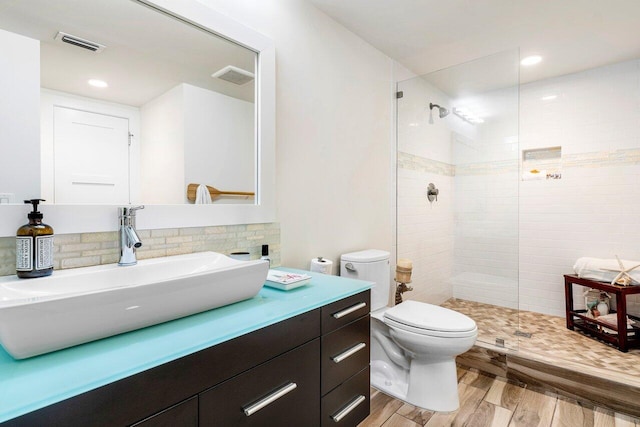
(86, 249)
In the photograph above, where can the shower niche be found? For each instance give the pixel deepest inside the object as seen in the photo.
(458, 128)
(542, 163)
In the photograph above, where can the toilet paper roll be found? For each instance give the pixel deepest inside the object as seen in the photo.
(321, 265)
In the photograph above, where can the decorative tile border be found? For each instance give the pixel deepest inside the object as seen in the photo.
(594, 159)
(87, 249)
(488, 168)
(625, 157)
(422, 164)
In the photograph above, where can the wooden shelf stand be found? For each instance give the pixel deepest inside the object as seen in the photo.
(625, 338)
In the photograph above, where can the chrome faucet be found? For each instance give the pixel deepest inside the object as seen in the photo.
(129, 239)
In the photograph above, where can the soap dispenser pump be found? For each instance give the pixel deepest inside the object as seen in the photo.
(34, 245)
(265, 253)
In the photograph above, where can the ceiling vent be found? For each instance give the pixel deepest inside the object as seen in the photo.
(234, 75)
(80, 42)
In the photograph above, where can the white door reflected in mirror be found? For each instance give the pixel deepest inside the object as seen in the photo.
(91, 160)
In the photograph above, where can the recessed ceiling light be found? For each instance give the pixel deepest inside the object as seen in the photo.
(531, 60)
(549, 97)
(98, 83)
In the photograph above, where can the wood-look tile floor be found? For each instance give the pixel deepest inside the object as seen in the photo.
(495, 401)
(549, 337)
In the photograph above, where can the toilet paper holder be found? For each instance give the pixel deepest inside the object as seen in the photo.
(321, 265)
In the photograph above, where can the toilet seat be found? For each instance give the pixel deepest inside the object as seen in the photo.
(428, 319)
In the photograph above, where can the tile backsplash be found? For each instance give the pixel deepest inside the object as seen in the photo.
(86, 249)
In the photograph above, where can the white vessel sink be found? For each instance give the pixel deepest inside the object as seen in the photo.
(76, 306)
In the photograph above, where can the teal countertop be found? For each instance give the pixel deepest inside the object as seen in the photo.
(30, 384)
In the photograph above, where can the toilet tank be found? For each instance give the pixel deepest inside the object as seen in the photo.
(371, 265)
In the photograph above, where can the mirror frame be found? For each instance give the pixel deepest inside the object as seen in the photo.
(100, 218)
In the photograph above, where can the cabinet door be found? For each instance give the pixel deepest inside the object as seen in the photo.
(281, 392)
(183, 414)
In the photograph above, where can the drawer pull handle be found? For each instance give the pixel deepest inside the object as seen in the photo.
(267, 400)
(347, 409)
(348, 353)
(349, 310)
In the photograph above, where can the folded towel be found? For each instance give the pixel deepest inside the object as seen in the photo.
(203, 197)
(612, 320)
(598, 269)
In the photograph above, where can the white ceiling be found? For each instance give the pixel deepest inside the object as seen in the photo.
(147, 52)
(428, 35)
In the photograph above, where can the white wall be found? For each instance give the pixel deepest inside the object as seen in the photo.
(219, 142)
(20, 89)
(593, 210)
(194, 135)
(334, 98)
(162, 148)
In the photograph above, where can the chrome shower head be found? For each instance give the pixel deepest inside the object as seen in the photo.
(442, 112)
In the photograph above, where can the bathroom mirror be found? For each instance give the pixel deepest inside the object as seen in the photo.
(212, 36)
(134, 105)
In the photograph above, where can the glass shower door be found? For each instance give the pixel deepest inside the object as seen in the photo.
(457, 191)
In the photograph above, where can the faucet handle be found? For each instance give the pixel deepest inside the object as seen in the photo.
(129, 210)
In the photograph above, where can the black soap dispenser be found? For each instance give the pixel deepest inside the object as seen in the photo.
(265, 254)
(34, 245)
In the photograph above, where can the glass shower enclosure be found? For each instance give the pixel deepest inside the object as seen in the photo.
(457, 190)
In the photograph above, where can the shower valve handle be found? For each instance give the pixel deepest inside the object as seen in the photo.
(432, 192)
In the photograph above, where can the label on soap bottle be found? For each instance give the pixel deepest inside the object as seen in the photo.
(24, 253)
(44, 252)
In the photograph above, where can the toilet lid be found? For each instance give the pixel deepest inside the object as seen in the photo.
(430, 317)
(370, 255)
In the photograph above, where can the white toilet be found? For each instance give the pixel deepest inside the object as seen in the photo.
(413, 344)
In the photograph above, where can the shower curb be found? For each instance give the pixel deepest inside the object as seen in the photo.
(597, 387)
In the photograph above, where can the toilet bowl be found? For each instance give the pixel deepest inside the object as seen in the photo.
(413, 344)
(429, 348)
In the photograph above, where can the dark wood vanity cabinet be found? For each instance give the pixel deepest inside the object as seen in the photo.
(280, 392)
(184, 414)
(344, 361)
(309, 370)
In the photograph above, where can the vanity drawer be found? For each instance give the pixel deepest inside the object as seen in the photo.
(281, 392)
(348, 404)
(184, 414)
(346, 310)
(344, 353)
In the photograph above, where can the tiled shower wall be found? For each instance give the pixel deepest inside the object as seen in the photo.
(87, 249)
(465, 244)
(486, 234)
(594, 209)
(591, 211)
(425, 229)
